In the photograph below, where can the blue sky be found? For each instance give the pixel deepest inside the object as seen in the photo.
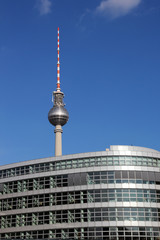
(110, 74)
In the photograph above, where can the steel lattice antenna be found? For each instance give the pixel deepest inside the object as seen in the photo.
(58, 64)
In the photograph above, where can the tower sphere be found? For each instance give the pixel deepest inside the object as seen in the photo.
(58, 115)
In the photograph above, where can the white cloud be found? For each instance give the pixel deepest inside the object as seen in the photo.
(44, 6)
(116, 8)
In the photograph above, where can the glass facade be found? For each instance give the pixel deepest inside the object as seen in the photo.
(83, 196)
(80, 215)
(80, 163)
(115, 196)
(89, 178)
(105, 233)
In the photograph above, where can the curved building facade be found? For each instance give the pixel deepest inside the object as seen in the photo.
(114, 194)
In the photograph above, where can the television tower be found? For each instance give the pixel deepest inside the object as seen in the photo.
(58, 115)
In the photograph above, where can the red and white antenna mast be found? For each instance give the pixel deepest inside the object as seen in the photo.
(58, 65)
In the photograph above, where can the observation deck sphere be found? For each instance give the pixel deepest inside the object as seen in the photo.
(58, 115)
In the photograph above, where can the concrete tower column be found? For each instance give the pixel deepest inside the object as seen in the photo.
(58, 140)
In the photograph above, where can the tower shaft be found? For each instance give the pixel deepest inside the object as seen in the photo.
(58, 140)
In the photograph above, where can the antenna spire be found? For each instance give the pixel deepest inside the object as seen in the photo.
(58, 65)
